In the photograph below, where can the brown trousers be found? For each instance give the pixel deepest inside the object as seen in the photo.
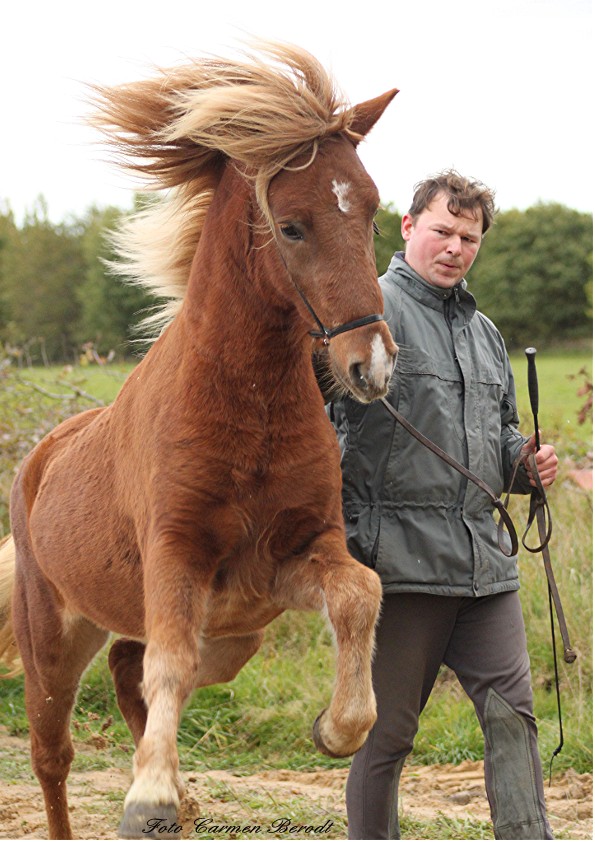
(483, 641)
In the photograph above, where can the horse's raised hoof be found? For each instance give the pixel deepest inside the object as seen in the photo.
(319, 742)
(147, 821)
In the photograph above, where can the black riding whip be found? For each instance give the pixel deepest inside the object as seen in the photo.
(539, 511)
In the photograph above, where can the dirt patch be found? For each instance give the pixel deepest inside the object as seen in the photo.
(453, 791)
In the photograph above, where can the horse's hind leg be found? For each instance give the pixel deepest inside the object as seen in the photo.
(351, 593)
(55, 651)
(126, 666)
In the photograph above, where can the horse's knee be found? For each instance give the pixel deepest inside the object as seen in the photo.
(354, 600)
(51, 761)
(172, 671)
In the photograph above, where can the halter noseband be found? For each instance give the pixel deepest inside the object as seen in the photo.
(326, 335)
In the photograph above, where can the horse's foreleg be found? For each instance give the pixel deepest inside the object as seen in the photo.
(329, 579)
(353, 595)
(220, 660)
(175, 597)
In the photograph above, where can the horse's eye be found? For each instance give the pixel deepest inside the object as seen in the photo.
(290, 232)
(375, 228)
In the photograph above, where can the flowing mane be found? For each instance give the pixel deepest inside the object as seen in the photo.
(173, 130)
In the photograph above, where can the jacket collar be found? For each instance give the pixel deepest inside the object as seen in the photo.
(412, 283)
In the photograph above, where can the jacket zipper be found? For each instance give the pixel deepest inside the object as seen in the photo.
(449, 306)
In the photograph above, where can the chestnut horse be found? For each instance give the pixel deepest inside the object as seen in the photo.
(206, 499)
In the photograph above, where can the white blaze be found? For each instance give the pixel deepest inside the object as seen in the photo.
(341, 189)
(380, 362)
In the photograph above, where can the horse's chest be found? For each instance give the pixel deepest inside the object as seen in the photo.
(277, 517)
(278, 507)
(272, 470)
(253, 498)
(244, 585)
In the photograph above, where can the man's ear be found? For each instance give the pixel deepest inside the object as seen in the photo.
(406, 226)
(367, 114)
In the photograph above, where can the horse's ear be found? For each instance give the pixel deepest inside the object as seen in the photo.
(367, 114)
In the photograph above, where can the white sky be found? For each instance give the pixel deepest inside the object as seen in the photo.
(502, 90)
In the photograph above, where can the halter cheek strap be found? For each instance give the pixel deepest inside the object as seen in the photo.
(326, 333)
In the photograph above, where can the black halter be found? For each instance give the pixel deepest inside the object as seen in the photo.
(326, 333)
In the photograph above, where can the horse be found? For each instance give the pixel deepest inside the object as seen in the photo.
(206, 499)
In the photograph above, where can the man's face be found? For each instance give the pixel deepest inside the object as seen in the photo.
(440, 246)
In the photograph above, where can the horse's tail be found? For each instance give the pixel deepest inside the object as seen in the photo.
(9, 654)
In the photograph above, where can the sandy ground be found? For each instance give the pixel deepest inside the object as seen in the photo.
(453, 791)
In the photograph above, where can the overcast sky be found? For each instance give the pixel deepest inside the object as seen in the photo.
(502, 90)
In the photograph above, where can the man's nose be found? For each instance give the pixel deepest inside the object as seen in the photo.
(454, 244)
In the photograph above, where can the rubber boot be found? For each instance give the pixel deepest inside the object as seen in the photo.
(514, 781)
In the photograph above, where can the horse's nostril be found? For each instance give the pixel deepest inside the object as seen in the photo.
(357, 376)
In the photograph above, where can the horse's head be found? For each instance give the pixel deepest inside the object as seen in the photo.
(275, 137)
(322, 209)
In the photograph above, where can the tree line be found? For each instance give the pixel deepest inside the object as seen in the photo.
(532, 277)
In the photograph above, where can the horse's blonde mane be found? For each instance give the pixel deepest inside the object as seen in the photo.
(261, 111)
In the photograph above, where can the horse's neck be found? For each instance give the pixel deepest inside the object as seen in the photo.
(233, 313)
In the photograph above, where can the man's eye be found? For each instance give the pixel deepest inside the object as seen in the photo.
(290, 232)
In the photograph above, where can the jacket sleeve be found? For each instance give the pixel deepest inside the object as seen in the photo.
(511, 440)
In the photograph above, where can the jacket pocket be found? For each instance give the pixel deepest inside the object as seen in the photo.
(432, 396)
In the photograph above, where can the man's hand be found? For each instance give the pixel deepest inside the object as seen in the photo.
(545, 459)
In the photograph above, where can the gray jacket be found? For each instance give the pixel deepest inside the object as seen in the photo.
(410, 516)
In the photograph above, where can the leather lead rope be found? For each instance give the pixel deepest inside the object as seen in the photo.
(537, 511)
(505, 519)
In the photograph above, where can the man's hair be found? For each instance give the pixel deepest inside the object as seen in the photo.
(464, 195)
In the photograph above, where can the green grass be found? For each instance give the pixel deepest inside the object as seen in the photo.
(559, 404)
(445, 827)
(558, 372)
(15, 765)
(100, 382)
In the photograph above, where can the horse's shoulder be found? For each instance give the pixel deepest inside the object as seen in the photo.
(34, 466)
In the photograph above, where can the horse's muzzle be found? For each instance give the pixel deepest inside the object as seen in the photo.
(369, 373)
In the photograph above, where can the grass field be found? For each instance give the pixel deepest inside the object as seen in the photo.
(559, 404)
(263, 719)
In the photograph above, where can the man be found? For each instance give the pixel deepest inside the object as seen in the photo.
(450, 592)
